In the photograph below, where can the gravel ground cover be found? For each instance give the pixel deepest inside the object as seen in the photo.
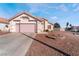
(63, 41)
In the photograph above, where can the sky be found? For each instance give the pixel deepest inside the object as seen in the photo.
(54, 12)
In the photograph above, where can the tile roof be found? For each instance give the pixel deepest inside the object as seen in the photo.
(3, 20)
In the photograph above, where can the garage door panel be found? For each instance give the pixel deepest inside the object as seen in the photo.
(25, 27)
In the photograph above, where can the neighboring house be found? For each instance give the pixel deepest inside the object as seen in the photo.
(75, 28)
(3, 23)
(25, 22)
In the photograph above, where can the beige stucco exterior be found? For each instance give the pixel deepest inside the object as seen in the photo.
(13, 22)
(51, 26)
(47, 24)
(41, 25)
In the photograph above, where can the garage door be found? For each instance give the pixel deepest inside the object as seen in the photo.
(25, 27)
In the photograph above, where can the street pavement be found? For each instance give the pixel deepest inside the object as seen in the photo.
(14, 44)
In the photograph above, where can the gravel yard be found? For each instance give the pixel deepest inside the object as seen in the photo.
(63, 41)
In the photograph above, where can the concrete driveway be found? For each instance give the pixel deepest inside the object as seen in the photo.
(14, 44)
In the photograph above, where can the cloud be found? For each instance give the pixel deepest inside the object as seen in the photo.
(53, 18)
(34, 8)
(74, 4)
(76, 9)
(62, 7)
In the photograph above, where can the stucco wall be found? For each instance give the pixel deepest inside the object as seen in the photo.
(51, 27)
(46, 26)
(12, 24)
(40, 27)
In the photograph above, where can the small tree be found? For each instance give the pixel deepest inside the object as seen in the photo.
(57, 26)
(69, 27)
(67, 24)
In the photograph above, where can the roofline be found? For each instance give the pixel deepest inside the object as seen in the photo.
(36, 19)
(5, 21)
(23, 13)
(45, 19)
(51, 23)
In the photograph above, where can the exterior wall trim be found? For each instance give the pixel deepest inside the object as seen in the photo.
(44, 25)
(26, 14)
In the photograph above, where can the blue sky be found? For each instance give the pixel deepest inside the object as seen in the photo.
(54, 12)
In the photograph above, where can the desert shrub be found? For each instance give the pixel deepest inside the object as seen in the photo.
(46, 30)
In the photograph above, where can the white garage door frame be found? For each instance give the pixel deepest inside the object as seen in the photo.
(25, 27)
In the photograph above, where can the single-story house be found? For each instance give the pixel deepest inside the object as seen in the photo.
(25, 22)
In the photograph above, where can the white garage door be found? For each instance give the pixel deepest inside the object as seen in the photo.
(25, 27)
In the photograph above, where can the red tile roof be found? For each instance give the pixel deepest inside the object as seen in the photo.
(3, 20)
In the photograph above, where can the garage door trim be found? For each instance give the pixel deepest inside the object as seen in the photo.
(25, 24)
